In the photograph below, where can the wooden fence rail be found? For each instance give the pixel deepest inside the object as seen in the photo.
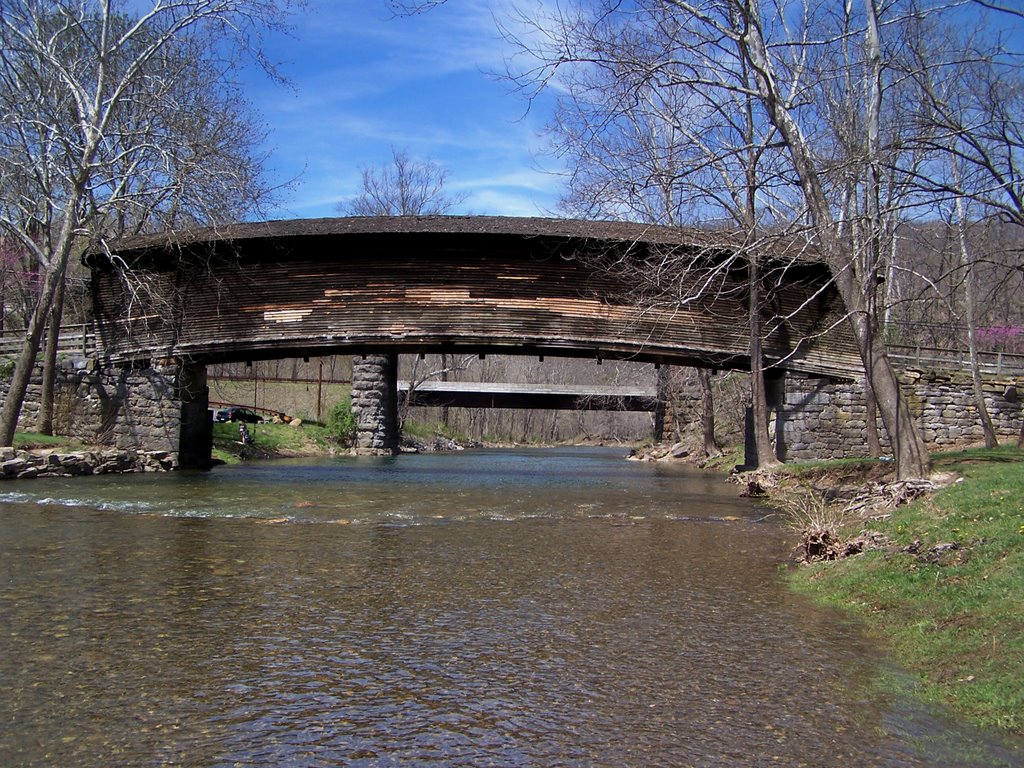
(74, 340)
(933, 358)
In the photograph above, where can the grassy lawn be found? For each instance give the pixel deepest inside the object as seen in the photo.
(30, 441)
(951, 609)
(269, 441)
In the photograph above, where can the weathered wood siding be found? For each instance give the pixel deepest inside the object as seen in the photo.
(278, 295)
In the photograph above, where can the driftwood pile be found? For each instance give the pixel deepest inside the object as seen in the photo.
(821, 537)
(880, 498)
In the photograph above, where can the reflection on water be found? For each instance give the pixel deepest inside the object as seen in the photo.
(491, 608)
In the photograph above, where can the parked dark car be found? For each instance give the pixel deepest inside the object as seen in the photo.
(238, 414)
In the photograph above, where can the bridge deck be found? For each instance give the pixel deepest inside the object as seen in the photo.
(80, 341)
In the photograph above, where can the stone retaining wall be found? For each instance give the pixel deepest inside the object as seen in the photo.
(124, 409)
(822, 420)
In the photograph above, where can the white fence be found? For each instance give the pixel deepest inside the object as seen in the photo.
(78, 340)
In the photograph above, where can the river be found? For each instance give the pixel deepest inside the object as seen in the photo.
(506, 608)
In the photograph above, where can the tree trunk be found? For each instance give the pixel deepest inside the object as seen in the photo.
(711, 447)
(909, 451)
(663, 394)
(22, 375)
(987, 426)
(874, 445)
(11, 411)
(758, 395)
(444, 377)
(970, 300)
(45, 425)
(911, 456)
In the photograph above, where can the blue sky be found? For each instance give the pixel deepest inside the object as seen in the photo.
(365, 80)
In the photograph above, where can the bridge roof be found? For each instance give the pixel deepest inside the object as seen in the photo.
(498, 226)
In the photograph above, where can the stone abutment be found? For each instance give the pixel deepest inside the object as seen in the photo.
(160, 409)
(819, 419)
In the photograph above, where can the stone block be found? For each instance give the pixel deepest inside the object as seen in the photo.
(14, 467)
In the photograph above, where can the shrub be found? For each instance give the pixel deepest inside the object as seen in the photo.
(341, 422)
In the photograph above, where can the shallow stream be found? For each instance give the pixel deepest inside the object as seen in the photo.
(508, 608)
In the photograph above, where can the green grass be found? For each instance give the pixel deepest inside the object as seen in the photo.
(423, 431)
(269, 441)
(27, 441)
(957, 623)
(730, 457)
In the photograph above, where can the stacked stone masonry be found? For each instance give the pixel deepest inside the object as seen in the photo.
(375, 403)
(123, 409)
(20, 465)
(823, 420)
(141, 411)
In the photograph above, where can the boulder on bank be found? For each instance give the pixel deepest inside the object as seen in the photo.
(437, 444)
(23, 465)
(662, 452)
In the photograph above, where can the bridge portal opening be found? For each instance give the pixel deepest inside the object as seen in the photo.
(499, 398)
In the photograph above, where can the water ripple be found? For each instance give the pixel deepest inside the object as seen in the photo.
(570, 625)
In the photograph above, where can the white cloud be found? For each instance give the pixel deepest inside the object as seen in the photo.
(366, 81)
(493, 202)
(527, 180)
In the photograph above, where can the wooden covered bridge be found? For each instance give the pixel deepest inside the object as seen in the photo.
(380, 286)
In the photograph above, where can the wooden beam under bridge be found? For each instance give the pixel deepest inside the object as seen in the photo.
(564, 397)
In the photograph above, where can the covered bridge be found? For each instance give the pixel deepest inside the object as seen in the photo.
(388, 285)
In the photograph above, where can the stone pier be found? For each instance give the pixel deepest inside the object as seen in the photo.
(375, 403)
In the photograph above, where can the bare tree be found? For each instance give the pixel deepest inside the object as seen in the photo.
(780, 91)
(642, 144)
(95, 102)
(707, 416)
(440, 372)
(973, 91)
(1002, 7)
(972, 124)
(832, 79)
(406, 187)
(411, 7)
(727, 51)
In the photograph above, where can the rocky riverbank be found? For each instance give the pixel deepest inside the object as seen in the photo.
(21, 465)
(680, 451)
(436, 444)
(831, 508)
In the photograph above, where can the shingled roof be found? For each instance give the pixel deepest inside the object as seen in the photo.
(508, 226)
(492, 225)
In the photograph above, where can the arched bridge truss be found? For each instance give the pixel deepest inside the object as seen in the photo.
(449, 284)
